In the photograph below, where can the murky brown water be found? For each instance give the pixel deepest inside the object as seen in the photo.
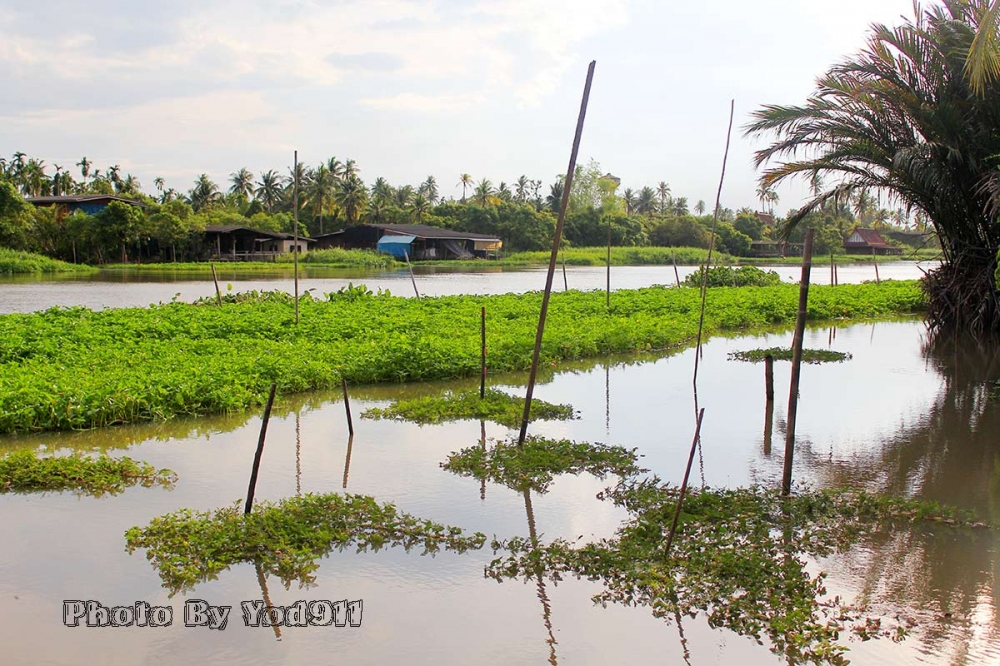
(893, 418)
(123, 289)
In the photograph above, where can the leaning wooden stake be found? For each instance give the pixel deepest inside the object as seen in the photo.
(711, 245)
(347, 460)
(260, 450)
(677, 276)
(556, 243)
(295, 207)
(608, 291)
(412, 279)
(482, 355)
(768, 401)
(793, 391)
(684, 484)
(218, 292)
(565, 282)
(347, 406)
(875, 261)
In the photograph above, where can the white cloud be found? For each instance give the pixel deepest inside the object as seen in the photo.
(427, 103)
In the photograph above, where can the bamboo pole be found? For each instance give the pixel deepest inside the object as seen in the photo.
(295, 256)
(608, 290)
(684, 484)
(218, 292)
(347, 406)
(482, 355)
(677, 276)
(556, 242)
(260, 451)
(711, 245)
(793, 391)
(406, 255)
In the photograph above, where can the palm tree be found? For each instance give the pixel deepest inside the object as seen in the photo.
(465, 180)
(503, 192)
(521, 189)
(335, 167)
(914, 115)
(429, 188)
(242, 183)
(320, 192)
(130, 185)
(680, 206)
(767, 196)
(484, 190)
(646, 201)
(630, 200)
(159, 183)
(84, 165)
(382, 192)
(269, 190)
(403, 196)
(204, 192)
(420, 206)
(351, 196)
(663, 189)
(554, 200)
(349, 170)
(700, 207)
(112, 174)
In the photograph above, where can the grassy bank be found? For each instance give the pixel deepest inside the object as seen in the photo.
(74, 368)
(331, 258)
(14, 262)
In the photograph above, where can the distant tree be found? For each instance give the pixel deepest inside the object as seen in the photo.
(554, 200)
(700, 207)
(429, 189)
(269, 189)
(484, 190)
(646, 201)
(663, 190)
(465, 180)
(203, 193)
(242, 183)
(351, 197)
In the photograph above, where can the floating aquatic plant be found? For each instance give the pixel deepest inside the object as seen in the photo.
(495, 406)
(814, 356)
(533, 466)
(284, 538)
(24, 471)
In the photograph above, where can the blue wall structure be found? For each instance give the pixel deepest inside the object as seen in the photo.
(397, 246)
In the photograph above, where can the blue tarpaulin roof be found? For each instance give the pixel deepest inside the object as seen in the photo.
(397, 246)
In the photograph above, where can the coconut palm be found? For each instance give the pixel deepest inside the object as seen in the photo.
(351, 196)
(429, 189)
(630, 200)
(382, 192)
(159, 183)
(554, 199)
(320, 191)
(484, 190)
(84, 165)
(700, 207)
(465, 180)
(503, 192)
(663, 190)
(203, 193)
(680, 206)
(403, 196)
(242, 183)
(350, 170)
(419, 207)
(269, 190)
(915, 115)
(521, 189)
(646, 201)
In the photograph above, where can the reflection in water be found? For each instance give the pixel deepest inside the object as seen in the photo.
(347, 460)
(482, 443)
(262, 581)
(539, 576)
(298, 454)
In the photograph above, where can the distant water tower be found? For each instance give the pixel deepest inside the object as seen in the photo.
(613, 178)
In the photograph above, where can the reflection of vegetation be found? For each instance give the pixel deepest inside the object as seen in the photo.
(783, 354)
(496, 406)
(284, 538)
(25, 472)
(534, 465)
(739, 558)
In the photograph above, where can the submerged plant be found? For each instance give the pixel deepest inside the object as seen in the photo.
(25, 472)
(495, 406)
(784, 354)
(285, 538)
(740, 557)
(533, 466)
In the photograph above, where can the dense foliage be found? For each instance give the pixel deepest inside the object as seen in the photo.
(69, 368)
(14, 262)
(495, 406)
(727, 276)
(285, 539)
(24, 471)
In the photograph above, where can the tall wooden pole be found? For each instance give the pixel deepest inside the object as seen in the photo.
(482, 355)
(793, 391)
(684, 484)
(260, 450)
(556, 243)
(295, 206)
(608, 291)
(347, 407)
(412, 279)
(218, 292)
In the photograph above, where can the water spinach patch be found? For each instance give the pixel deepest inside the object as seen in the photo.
(495, 406)
(814, 356)
(24, 471)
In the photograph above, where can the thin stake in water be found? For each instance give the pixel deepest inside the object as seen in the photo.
(347, 406)
(556, 243)
(482, 356)
(608, 291)
(406, 255)
(793, 391)
(295, 207)
(218, 293)
(260, 450)
(684, 484)
(347, 460)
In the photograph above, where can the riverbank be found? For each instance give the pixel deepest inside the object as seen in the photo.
(75, 368)
(13, 262)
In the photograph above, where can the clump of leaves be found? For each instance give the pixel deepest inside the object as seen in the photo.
(814, 356)
(739, 557)
(728, 276)
(533, 466)
(495, 406)
(285, 538)
(25, 472)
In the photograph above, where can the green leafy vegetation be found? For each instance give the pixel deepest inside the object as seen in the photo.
(339, 257)
(14, 262)
(24, 471)
(71, 368)
(727, 276)
(495, 406)
(620, 256)
(533, 466)
(285, 538)
(785, 354)
(740, 556)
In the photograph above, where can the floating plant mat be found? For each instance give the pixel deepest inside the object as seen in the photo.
(285, 538)
(739, 557)
(496, 406)
(25, 472)
(533, 466)
(783, 354)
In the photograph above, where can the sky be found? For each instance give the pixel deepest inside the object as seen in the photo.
(416, 88)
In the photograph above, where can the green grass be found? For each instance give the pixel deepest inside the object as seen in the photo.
(620, 256)
(72, 368)
(496, 406)
(331, 258)
(785, 354)
(727, 276)
(24, 471)
(285, 538)
(15, 262)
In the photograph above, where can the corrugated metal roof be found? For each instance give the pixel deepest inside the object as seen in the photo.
(424, 231)
(865, 238)
(396, 240)
(81, 198)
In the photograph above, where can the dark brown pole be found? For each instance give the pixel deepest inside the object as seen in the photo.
(482, 355)
(768, 401)
(347, 460)
(875, 261)
(482, 443)
(793, 391)
(407, 256)
(295, 255)
(831, 268)
(271, 616)
(768, 426)
(769, 378)
(836, 275)
(347, 406)
(260, 450)
(677, 276)
(556, 242)
(215, 278)
(711, 245)
(565, 282)
(684, 484)
(608, 290)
